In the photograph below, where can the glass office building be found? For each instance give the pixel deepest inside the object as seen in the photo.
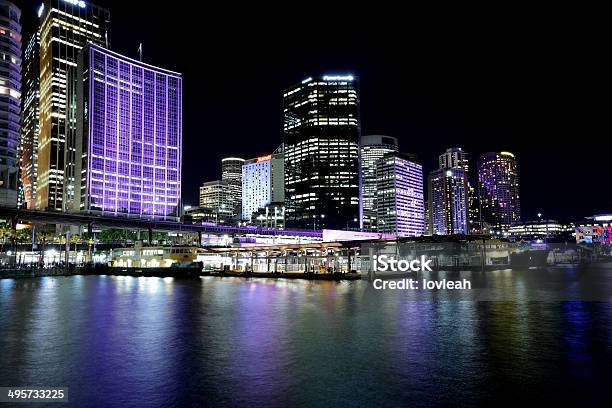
(66, 26)
(128, 136)
(231, 173)
(498, 184)
(373, 148)
(321, 136)
(30, 127)
(216, 202)
(400, 203)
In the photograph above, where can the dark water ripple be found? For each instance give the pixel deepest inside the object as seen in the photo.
(131, 342)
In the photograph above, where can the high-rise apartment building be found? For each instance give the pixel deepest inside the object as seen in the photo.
(66, 26)
(128, 122)
(321, 135)
(456, 157)
(30, 126)
(10, 101)
(262, 183)
(448, 201)
(498, 185)
(400, 203)
(373, 148)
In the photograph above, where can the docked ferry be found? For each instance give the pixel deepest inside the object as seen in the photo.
(155, 257)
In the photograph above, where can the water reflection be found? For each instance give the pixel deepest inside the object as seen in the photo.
(238, 342)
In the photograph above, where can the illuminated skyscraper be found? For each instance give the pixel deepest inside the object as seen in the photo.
(498, 185)
(400, 202)
(448, 201)
(66, 26)
(231, 173)
(128, 136)
(373, 148)
(457, 157)
(10, 101)
(30, 127)
(216, 201)
(262, 183)
(321, 136)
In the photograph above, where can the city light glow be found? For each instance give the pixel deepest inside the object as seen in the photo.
(603, 218)
(79, 3)
(338, 78)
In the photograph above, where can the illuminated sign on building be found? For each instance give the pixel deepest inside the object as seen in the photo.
(264, 158)
(591, 234)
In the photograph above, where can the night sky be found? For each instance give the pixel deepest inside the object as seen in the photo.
(429, 81)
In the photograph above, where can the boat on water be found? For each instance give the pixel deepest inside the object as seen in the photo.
(175, 261)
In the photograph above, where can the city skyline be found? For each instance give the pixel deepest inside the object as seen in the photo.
(326, 206)
(479, 109)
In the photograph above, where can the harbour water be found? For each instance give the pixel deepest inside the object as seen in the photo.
(132, 342)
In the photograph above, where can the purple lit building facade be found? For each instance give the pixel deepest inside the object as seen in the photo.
(128, 140)
(448, 201)
(400, 206)
(498, 185)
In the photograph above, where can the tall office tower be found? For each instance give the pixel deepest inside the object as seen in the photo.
(373, 148)
(498, 190)
(128, 137)
(321, 134)
(30, 126)
(400, 204)
(262, 183)
(66, 26)
(231, 173)
(10, 101)
(448, 201)
(215, 199)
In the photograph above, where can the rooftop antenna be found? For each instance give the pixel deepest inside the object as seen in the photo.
(140, 51)
(106, 37)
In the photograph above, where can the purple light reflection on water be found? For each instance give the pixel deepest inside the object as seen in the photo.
(235, 342)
